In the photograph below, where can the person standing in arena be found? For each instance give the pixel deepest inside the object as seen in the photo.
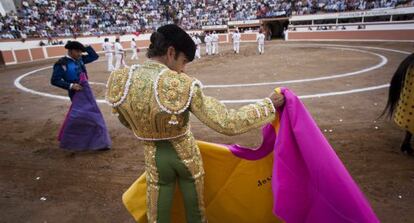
(134, 50)
(400, 104)
(108, 49)
(158, 115)
(260, 41)
(208, 41)
(236, 41)
(215, 40)
(84, 128)
(285, 34)
(197, 41)
(205, 41)
(119, 55)
(193, 37)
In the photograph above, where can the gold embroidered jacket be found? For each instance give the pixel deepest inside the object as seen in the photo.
(155, 103)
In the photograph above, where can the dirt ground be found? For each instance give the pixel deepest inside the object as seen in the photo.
(87, 187)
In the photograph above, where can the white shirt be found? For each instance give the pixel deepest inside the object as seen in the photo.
(133, 44)
(208, 39)
(215, 37)
(107, 47)
(118, 48)
(260, 38)
(236, 37)
(197, 41)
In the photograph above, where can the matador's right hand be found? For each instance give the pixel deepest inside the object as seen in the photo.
(76, 87)
(278, 99)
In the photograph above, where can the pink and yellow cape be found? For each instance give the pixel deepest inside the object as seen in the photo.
(294, 176)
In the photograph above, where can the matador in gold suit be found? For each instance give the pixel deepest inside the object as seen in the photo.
(155, 102)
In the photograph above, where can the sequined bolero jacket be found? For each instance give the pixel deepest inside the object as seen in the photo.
(155, 103)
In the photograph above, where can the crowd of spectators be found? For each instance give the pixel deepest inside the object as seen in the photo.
(60, 18)
(328, 6)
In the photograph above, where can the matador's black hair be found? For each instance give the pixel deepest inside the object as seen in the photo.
(171, 35)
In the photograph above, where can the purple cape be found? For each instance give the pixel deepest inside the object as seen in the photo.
(309, 182)
(84, 127)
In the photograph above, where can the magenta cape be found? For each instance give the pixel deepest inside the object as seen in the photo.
(84, 128)
(309, 181)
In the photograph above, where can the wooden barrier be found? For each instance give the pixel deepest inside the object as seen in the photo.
(248, 37)
(8, 57)
(22, 55)
(37, 54)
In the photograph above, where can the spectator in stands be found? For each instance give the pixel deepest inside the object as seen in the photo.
(59, 18)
